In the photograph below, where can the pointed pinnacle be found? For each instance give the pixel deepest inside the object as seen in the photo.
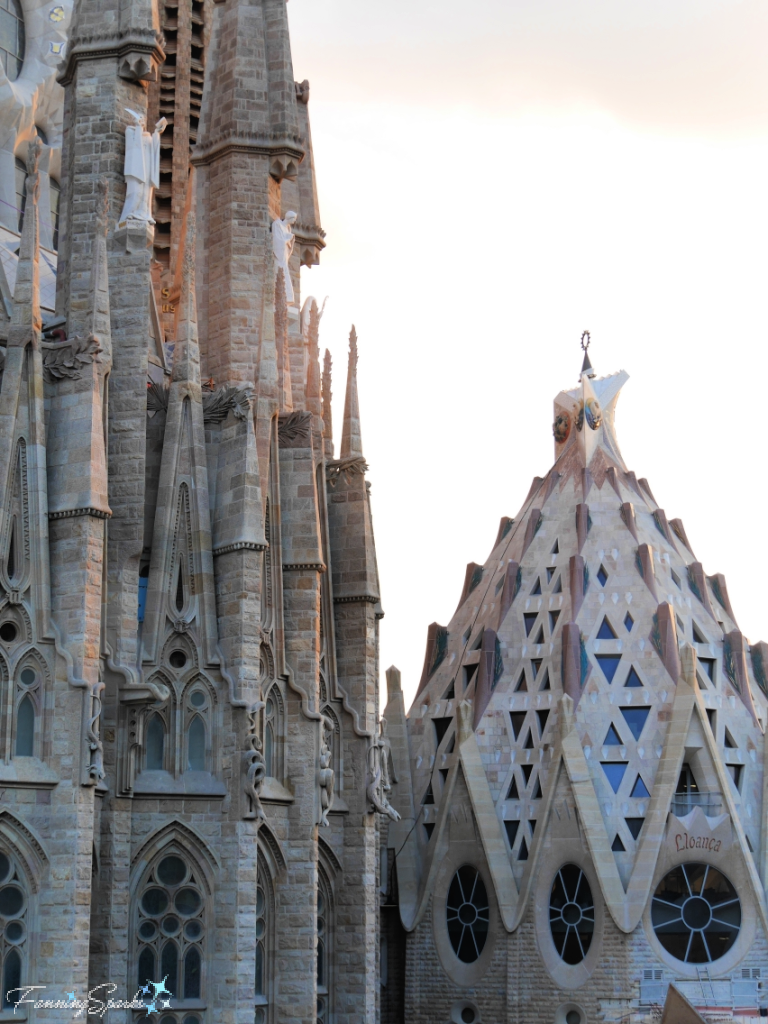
(327, 411)
(186, 354)
(351, 438)
(26, 298)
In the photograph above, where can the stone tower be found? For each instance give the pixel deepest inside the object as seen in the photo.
(192, 761)
(581, 777)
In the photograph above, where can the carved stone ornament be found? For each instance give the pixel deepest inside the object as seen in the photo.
(593, 413)
(217, 404)
(64, 360)
(180, 626)
(95, 766)
(257, 769)
(561, 428)
(378, 784)
(294, 430)
(353, 465)
(325, 774)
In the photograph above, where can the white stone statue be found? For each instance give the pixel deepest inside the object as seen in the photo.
(142, 168)
(282, 244)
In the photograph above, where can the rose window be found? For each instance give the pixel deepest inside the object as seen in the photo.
(468, 914)
(571, 914)
(696, 913)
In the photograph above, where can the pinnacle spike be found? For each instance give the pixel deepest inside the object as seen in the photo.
(351, 439)
(327, 410)
(26, 297)
(186, 354)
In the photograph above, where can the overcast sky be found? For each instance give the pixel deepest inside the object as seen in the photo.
(494, 178)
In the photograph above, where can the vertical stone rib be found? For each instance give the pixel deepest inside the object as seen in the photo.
(351, 438)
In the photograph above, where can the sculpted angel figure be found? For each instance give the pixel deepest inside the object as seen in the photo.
(142, 168)
(325, 775)
(282, 244)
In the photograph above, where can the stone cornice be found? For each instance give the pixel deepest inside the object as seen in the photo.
(98, 46)
(357, 599)
(240, 545)
(72, 513)
(260, 145)
(298, 566)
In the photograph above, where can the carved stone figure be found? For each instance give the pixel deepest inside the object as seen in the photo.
(257, 769)
(283, 240)
(142, 168)
(379, 785)
(66, 358)
(325, 775)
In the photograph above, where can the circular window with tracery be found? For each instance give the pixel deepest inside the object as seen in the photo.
(571, 914)
(468, 914)
(696, 913)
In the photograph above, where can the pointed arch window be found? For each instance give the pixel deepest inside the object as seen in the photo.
(12, 39)
(25, 728)
(273, 731)
(324, 938)
(11, 561)
(196, 745)
(262, 963)
(156, 743)
(13, 928)
(170, 922)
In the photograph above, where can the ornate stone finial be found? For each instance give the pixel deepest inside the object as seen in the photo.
(586, 366)
(351, 439)
(257, 768)
(394, 685)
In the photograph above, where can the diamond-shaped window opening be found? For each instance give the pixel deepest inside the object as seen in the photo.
(617, 846)
(537, 588)
(634, 825)
(633, 679)
(529, 618)
(639, 790)
(628, 622)
(614, 772)
(608, 663)
(606, 631)
(612, 738)
(636, 719)
(602, 575)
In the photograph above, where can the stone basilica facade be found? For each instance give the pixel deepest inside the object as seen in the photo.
(581, 777)
(192, 769)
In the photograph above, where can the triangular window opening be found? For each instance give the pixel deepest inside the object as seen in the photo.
(729, 741)
(429, 796)
(545, 685)
(606, 631)
(452, 745)
(180, 589)
(608, 663)
(680, 626)
(529, 618)
(511, 829)
(528, 745)
(444, 774)
(636, 719)
(536, 791)
(639, 790)
(551, 572)
(516, 718)
(500, 584)
(553, 617)
(556, 548)
(536, 665)
(429, 828)
(602, 576)
(614, 772)
(532, 825)
(478, 642)
(523, 851)
(542, 717)
(634, 825)
(441, 728)
(712, 719)
(617, 846)
(537, 589)
(469, 673)
(526, 770)
(540, 636)
(10, 564)
(522, 685)
(558, 586)
(698, 636)
(633, 679)
(736, 771)
(612, 738)
(450, 693)
(675, 579)
(628, 622)
(513, 793)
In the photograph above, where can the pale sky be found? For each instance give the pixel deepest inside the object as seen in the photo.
(494, 178)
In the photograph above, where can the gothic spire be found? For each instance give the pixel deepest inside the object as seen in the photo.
(313, 359)
(327, 412)
(351, 439)
(281, 335)
(186, 354)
